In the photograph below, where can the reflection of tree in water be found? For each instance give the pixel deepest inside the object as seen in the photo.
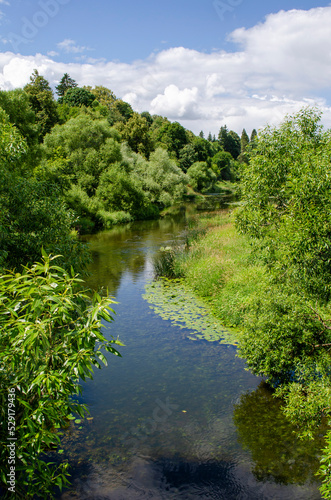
(277, 452)
(126, 248)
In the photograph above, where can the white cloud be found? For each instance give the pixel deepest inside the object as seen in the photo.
(280, 66)
(70, 46)
(176, 103)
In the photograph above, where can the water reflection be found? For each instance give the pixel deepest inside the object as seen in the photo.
(277, 452)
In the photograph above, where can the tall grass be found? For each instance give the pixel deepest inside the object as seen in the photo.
(217, 264)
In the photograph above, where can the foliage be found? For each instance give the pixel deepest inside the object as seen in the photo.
(136, 133)
(163, 182)
(222, 165)
(229, 141)
(76, 97)
(16, 104)
(42, 102)
(50, 340)
(65, 84)
(286, 213)
(103, 95)
(120, 111)
(119, 192)
(286, 193)
(173, 136)
(201, 177)
(33, 215)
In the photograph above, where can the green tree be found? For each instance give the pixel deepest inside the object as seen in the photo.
(42, 102)
(229, 141)
(120, 111)
(173, 136)
(163, 182)
(244, 143)
(253, 135)
(65, 84)
(103, 95)
(77, 97)
(148, 117)
(222, 165)
(286, 213)
(16, 104)
(136, 133)
(50, 340)
(201, 177)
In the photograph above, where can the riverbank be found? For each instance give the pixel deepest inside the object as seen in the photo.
(218, 266)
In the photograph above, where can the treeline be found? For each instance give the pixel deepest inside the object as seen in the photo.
(88, 161)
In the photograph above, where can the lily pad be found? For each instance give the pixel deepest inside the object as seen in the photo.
(174, 302)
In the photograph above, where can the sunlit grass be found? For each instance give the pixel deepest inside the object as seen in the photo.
(219, 267)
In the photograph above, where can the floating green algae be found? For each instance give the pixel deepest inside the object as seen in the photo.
(174, 302)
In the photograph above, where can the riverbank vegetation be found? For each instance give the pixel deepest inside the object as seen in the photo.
(265, 268)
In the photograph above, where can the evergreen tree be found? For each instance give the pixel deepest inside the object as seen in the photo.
(65, 84)
(201, 134)
(253, 135)
(244, 141)
(230, 141)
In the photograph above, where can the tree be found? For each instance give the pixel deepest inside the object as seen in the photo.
(78, 97)
(162, 181)
(230, 141)
(42, 102)
(253, 135)
(173, 136)
(65, 84)
(286, 213)
(50, 339)
(201, 177)
(103, 95)
(244, 142)
(148, 117)
(136, 133)
(222, 164)
(16, 104)
(120, 111)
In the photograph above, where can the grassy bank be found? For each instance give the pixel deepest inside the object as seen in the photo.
(216, 263)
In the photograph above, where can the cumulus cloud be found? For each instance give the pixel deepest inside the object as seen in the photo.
(175, 102)
(281, 65)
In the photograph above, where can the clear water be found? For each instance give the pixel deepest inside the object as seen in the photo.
(173, 418)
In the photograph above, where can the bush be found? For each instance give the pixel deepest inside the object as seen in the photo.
(50, 339)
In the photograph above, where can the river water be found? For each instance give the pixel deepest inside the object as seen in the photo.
(175, 418)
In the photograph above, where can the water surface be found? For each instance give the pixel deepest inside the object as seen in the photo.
(175, 418)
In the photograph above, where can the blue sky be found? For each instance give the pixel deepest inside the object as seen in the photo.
(202, 63)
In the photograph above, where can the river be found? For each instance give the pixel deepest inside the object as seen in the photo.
(175, 418)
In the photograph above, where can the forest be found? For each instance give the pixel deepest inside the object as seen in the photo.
(86, 161)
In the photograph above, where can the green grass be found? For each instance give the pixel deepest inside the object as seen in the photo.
(219, 267)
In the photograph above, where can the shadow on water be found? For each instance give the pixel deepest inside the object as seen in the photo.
(175, 419)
